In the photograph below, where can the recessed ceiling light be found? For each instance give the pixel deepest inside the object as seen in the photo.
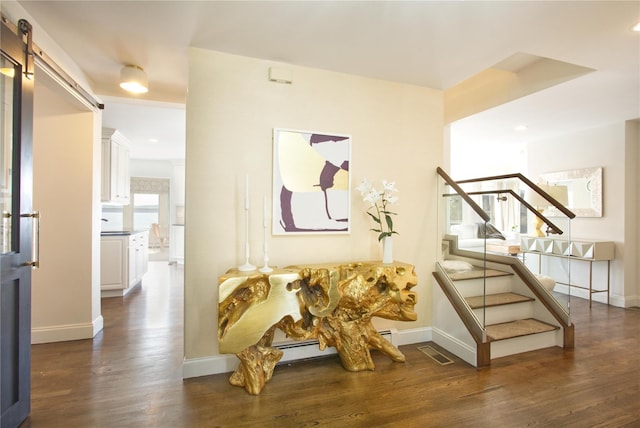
(153, 140)
(636, 27)
(521, 128)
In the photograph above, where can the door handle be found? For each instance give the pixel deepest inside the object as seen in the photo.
(35, 239)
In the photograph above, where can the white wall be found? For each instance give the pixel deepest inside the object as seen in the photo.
(472, 160)
(232, 108)
(65, 290)
(600, 147)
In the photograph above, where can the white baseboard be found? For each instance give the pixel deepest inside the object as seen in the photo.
(455, 346)
(226, 363)
(614, 299)
(98, 325)
(119, 292)
(411, 336)
(625, 302)
(63, 333)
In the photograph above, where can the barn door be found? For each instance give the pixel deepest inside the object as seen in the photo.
(19, 222)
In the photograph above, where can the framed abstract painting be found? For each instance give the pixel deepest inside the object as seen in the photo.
(311, 182)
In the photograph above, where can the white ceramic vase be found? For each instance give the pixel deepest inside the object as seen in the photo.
(387, 249)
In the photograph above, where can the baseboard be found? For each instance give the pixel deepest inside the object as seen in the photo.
(98, 325)
(411, 336)
(119, 292)
(64, 333)
(205, 366)
(455, 346)
(625, 302)
(614, 299)
(293, 351)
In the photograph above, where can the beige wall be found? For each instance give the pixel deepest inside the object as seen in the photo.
(65, 290)
(232, 108)
(632, 216)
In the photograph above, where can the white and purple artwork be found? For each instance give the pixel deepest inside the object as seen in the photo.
(311, 182)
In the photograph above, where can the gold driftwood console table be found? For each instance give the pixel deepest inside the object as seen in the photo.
(333, 303)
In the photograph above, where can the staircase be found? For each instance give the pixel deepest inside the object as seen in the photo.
(495, 306)
(502, 309)
(508, 316)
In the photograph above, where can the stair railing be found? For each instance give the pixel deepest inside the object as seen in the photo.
(460, 208)
(472, 213)
(472, 204)
(534, 187)
(560, 268)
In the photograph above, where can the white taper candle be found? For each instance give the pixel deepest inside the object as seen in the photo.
(265, 213)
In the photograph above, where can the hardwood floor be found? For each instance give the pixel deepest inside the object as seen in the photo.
(130, 376)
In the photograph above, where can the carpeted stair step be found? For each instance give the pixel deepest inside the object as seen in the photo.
(476, 302)
(517, 328)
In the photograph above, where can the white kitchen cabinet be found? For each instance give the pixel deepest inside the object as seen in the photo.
(176, 244)
(138, 257)
(115, 167)
(123, 262)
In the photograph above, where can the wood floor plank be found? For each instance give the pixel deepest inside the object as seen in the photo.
(130, 375)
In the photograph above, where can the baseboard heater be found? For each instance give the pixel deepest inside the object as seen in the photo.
(307, 349)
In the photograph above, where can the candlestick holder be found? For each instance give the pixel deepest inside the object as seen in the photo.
(265, 268)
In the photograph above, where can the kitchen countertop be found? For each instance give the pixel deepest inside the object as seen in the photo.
(120, 232)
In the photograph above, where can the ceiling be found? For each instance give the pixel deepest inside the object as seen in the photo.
(432, 44)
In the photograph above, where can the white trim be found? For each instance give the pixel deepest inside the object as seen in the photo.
(226, 363)
(614, 299)
(411, 336)
(98, 325)
(204, 366)
(455, 346)
(63, 333)
(624, 301)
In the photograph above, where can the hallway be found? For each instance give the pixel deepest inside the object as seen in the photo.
(130, 376)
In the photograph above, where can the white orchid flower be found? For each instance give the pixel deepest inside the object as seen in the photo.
(392, 199)
(389, 186)
(364, 187)
(373, 197)
(378, 201)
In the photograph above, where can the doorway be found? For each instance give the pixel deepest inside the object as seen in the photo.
(150, 206)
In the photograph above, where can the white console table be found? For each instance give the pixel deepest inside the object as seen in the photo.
(576, 249)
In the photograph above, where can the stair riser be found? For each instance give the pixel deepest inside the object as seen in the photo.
(475, 287)
(518, 345)
(506, 313)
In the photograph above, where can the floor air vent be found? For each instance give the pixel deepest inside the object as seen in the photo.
(437, 356)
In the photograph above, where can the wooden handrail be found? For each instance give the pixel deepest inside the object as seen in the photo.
(554, 229)
(465, 313)
(475, 207)
(529, 183)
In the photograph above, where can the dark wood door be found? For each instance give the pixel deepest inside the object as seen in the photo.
(19, 223)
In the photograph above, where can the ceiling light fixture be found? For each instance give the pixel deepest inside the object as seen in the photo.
(521, 128)
(8, 71)
(134, 79)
